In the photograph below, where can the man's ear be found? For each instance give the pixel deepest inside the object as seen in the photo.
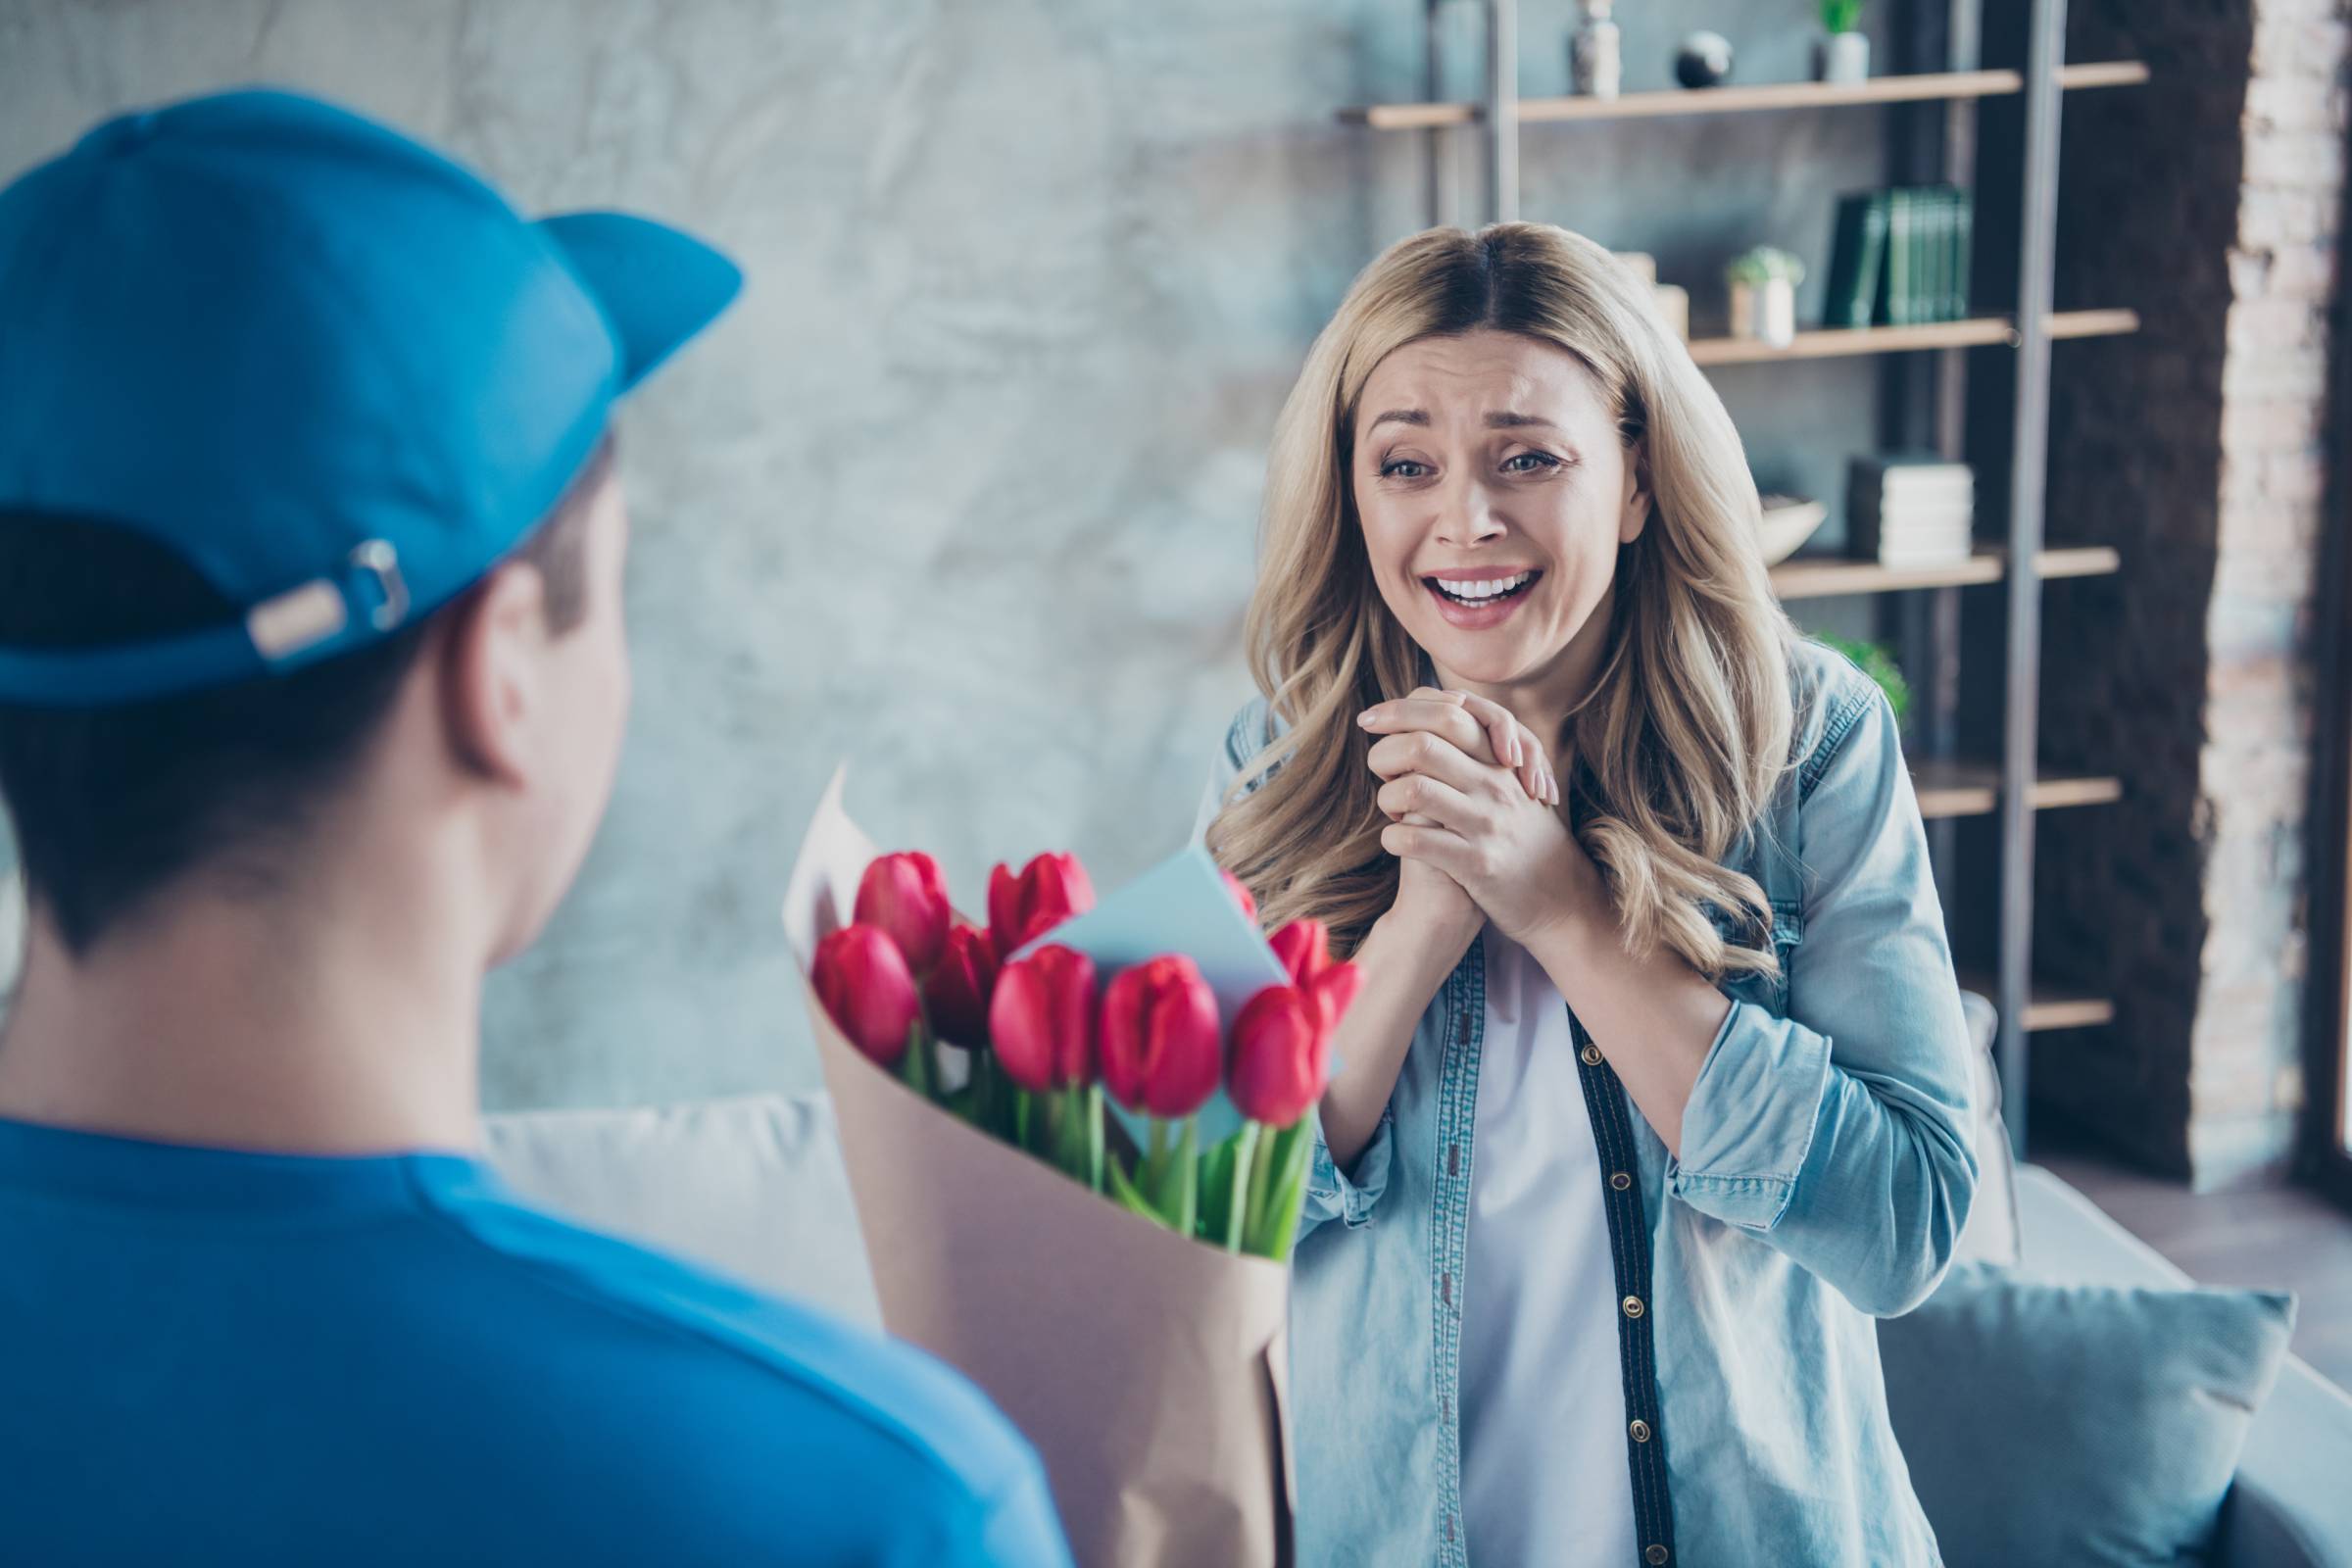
(1638, 497)
(491, 672)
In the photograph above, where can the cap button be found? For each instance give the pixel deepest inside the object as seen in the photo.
(122, 134)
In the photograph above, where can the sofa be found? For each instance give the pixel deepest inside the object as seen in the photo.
(755, 1187)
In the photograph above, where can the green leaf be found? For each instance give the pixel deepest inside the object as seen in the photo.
(1125, 1193)
(1277, 1223)
(1877, 661)
(1217, 1207)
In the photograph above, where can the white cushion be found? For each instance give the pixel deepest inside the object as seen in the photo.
(752, 1187)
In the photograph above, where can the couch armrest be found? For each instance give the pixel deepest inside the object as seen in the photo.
(2286, 1509)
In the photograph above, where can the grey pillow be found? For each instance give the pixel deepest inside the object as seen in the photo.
(2077, 1424)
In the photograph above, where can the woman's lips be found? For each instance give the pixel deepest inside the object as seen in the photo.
(1480, 616)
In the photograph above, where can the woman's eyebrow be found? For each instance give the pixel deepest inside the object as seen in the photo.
(1399, 417)
(1507, 420)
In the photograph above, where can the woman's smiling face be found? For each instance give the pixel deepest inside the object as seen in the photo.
(1493, 490)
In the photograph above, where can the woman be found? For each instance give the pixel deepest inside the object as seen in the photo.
(1657, 1090)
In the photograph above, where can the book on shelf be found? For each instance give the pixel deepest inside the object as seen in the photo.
(1898, 258)
(1904, 509)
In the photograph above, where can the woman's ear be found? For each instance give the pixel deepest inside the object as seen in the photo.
(1638, 497)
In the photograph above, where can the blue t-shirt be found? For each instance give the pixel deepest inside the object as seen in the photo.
(210, 1357)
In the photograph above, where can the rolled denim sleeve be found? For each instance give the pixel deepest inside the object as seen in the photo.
(1842, 1134)
(1332, 1193)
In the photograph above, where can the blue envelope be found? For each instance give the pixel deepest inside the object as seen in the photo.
(1180, 906)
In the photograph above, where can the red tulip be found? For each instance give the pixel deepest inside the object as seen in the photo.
(1241, 895)
(960, 988)
(1041, 1021)
(1161, 1050)
(1281, 1055)
(862, 978)
(906, 896)
(1050, 890)
(1305, 948)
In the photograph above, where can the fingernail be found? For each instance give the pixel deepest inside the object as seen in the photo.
(1364, 718)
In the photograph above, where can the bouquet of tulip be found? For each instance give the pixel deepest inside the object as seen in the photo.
(1043, 1040)
(1078, 1138)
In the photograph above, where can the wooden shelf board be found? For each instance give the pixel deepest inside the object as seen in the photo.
(1733, 100)
(1828, 577)
(2093, 323)
(2089, 560)
(2052, 1006)
(1952, 787)
(1840, 342)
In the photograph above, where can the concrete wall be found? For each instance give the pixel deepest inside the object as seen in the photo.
(964, 490)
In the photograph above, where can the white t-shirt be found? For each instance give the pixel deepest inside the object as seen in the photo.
(1544, 1477)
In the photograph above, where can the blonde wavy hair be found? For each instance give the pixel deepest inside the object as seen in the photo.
(1679, 745)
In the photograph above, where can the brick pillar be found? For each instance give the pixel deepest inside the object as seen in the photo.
(2209, 202)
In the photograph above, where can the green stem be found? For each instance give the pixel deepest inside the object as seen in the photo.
(1261, 1175)
(1186, 1175)
(915, 1060)
(1244, 1155)
(1094, 1136)
(1156, 1160)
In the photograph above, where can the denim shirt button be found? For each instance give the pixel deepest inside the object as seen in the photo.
(1640, 1430)
(1620, 1180)
(1591, 1055)
(1632, 1307)
(1655, 1556)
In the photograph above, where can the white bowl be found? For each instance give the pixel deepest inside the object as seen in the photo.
(1788, 524)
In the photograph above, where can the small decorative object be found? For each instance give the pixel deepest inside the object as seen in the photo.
(1787, 522)
(1596, 67)
(1905, 509)
(1671, 302)
(1704, 61)
(1845, 55)
(1764, 295)
(1877, 661)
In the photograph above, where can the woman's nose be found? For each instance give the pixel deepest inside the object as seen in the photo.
(1466, 518)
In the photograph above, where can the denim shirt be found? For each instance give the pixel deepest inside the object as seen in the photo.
(1826, 1169)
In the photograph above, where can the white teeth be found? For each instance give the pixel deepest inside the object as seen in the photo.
(1474, 592)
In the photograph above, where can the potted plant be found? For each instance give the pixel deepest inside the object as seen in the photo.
(1845, 55)
(1764, 295)
(1877, 661)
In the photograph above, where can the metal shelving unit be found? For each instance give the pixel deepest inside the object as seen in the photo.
(1940, 41)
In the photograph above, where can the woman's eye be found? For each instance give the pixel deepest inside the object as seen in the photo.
(1404, 468)
(1535, 461)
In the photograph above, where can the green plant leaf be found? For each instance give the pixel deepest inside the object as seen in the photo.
(1877, 661)
(1124, 1191)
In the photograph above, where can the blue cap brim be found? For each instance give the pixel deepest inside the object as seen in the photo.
(656, 286)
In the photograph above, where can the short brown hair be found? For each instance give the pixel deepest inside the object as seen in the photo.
(113, 805)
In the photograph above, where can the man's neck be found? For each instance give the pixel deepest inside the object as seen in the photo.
(248, 1024)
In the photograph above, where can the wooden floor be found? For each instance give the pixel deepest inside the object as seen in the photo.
(2276, 1238)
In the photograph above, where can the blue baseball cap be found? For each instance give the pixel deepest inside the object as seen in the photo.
(330, 368)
